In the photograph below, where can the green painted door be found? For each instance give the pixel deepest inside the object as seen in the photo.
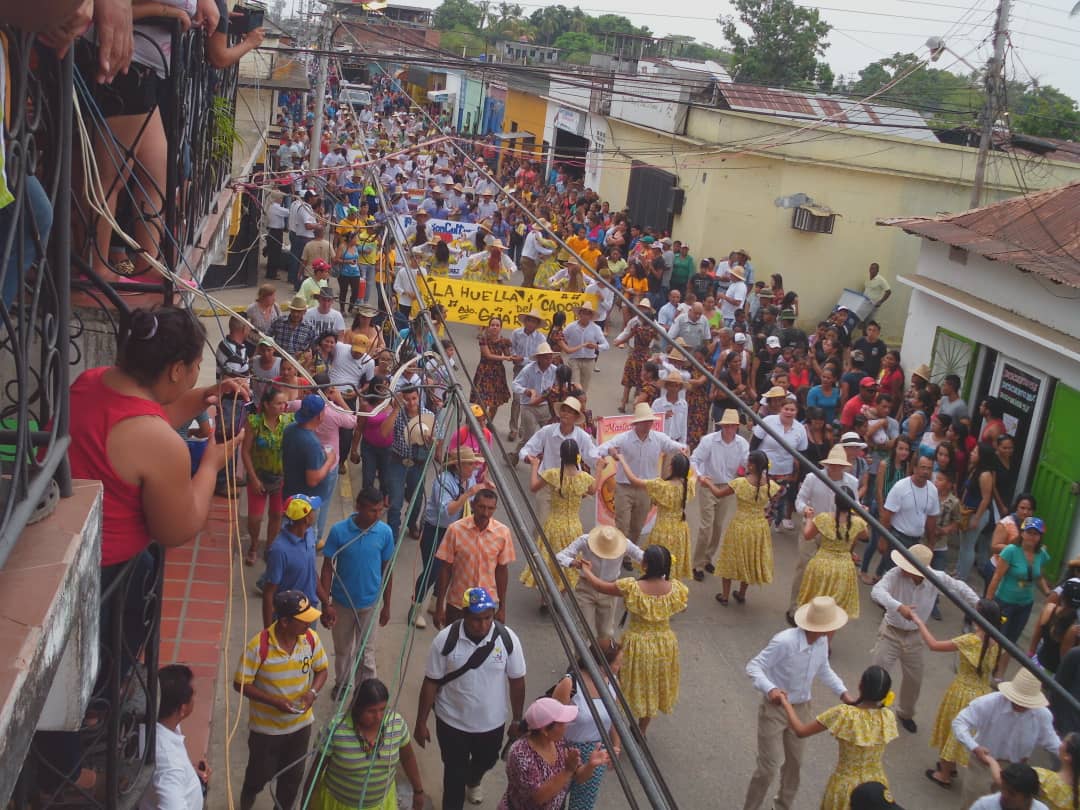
(1057, 474)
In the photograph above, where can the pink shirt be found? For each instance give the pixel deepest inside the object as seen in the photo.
(372, 426)
(332, 419)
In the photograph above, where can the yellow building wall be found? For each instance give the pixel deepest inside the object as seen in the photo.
(731, 203)
(528, 112)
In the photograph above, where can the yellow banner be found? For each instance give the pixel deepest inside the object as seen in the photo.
(477, 303)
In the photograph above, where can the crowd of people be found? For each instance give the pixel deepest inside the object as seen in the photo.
(313, 389)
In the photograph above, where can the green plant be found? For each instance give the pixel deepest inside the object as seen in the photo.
(223, 134)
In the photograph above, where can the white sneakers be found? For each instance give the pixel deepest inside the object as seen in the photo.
(787, 524)
(474, 795)
(420, 622)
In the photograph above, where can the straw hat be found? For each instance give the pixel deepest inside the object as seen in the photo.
(364, 310)
(821, 615)
(485, 225)
(673, 377)
(421, 212)
(1024, 690)
(837, 457)
(421, 429)
(462, 455)
(645, 303)
(496, 243)
(574, 404)
(607, 542)
(544, 349)
(775, 393)
(533, 313)
(729, 417)
(299, 304)
(586, 305)
(920, 552)
(643, 412)
(737, 271)
(922, 371)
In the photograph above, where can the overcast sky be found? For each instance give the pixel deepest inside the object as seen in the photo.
(1042, 31)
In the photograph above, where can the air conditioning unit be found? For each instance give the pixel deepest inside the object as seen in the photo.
(813, 220)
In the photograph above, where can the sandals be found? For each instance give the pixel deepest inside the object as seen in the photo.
(930, 775)
(740, 597)
(251, 557)
(722, 599)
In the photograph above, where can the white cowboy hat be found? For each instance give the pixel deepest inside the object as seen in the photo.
(775, 393)
(574, 404)
(821, 615)
(920, 552)
(1024, 690)
(837, 457)
(496, 243)
(421, 429)
(643, 412)
(729, 417)
(544, 349)
(644, 303)
(737, 271)
(673, 377)
(607, 542)
(533, 313)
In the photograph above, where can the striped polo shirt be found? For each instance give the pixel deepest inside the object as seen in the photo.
(282, 674)
(353, 763)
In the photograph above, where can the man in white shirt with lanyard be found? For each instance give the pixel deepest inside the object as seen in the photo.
(912, 506)
(530, 387)
(524, 341)
(642, 447)
(716, 460)
(904, 592)
(584, 341)
(789, 665)
(469, 665)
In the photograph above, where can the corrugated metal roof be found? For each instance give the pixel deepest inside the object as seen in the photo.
(1038, 233)
(842, 112)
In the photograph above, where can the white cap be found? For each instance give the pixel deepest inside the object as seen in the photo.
(740, 337)
(773, 342)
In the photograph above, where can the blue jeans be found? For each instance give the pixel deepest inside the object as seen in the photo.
(968, 542)
(324, 512)
(391, 474)
(430, 540)
(1013, 618)
(36, 221)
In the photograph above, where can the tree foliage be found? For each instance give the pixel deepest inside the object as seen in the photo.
(453, 13)
(1045, 112)
(946, 98)
(784, 44)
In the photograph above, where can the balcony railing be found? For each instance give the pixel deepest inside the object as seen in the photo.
(34, 288)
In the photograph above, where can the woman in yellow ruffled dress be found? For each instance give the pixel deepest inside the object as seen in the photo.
(669, 496)
(746, 554)
(649, 677)
(862, 731)
(831, 571)
(569, 484)
(548, 267)
(492, 266)
(977, 655)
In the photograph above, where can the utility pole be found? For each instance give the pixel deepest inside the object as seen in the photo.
(320, 90)
(995, 81)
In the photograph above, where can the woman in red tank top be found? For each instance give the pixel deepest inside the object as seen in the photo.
(124, 421)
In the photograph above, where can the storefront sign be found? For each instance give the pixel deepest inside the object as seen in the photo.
(477, 303)
(607, 427)
(1019, 391)
(570, 120)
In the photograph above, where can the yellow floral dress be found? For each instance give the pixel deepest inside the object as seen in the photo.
(563, 525)
(671, 529)
(965, 687)
(650, 672)
(546, 268)
(862, 735)
(478, 268)
(746, 554)
(831, 572)
(1053, 791)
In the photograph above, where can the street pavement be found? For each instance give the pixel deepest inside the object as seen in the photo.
(706, 750)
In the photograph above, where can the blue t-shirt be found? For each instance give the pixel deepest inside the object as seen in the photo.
(1017, 587)
(290, 563)
(816, 398)
(359, 563)
(300, 452)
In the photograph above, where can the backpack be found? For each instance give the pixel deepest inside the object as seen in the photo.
(264, 644)
(480, 654)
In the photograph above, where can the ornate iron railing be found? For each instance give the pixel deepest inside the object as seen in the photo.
(34, 288)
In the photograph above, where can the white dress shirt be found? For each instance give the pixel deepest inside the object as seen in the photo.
(780, 460)
(605, 295)
(547, 441)
(675, 414)
(643, 455)
(736, 290)
(695, 333)
(532, 378)
(791, 664)
(718, 460)
(911, 506)
(575, 335)
(990, 721)
(993, 802)
(524, 344)
(894, 589)
(820, 498)
(300, 216)
(175, 784)
(607, 570)
(532, 249)
(278, 216)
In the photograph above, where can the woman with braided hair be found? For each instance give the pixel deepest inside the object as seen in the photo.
(831, 571)
(746, 554)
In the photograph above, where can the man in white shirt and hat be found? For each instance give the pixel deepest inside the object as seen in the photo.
(719, 458)
(734, 297)
(1006, 726)
(672, 405)
(544, 444)
(905, 593)
(815, 497)
(788, 666)
(533, 252)
(604, 547)
(584, 342)
(524, 341)
(643, 448)
(531, 386)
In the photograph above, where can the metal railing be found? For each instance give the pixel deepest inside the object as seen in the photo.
(34, 288)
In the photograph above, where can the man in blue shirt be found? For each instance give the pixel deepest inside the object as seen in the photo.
(356, 558)
(290, 560)
(306, 463)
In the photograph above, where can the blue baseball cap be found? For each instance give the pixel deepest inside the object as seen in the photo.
(1034, 524)
(299, 507)
(310, 407)
(477, 600)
